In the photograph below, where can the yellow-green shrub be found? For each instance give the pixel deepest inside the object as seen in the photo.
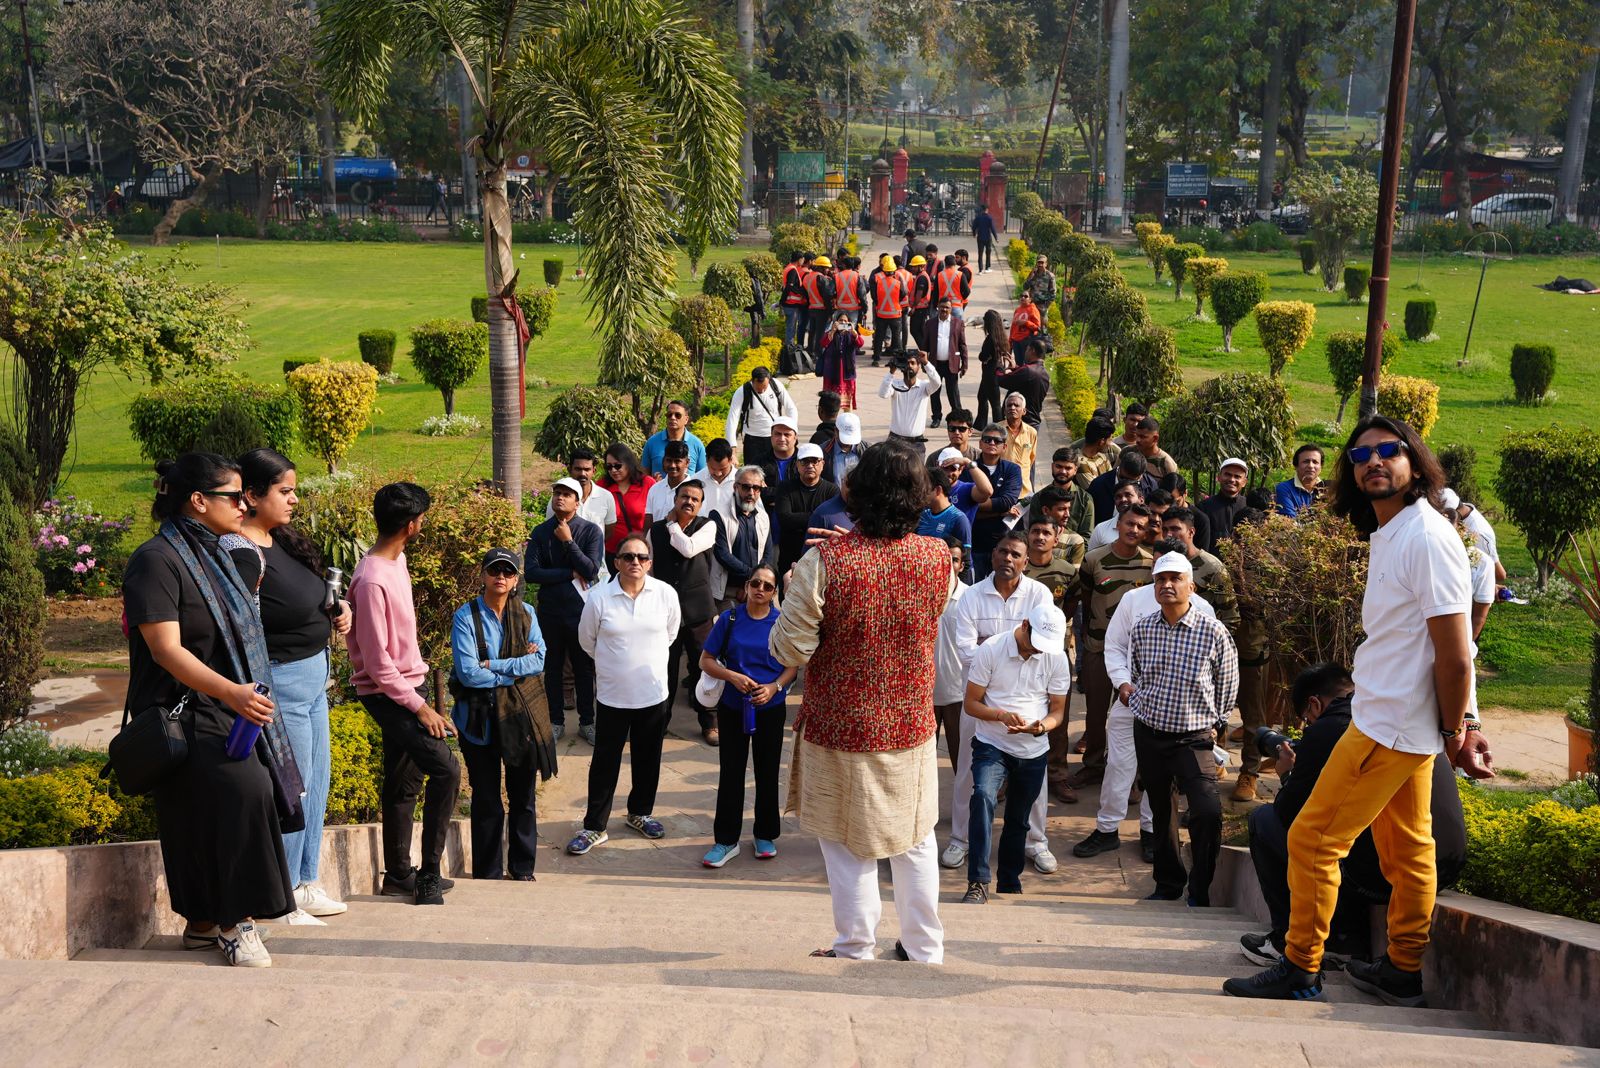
(1055, 326)
(1020, 257)
(1412, 400)
(357, 765)
(1074, 390)
(1544, 856)
(1285, 327)
(70, 805)
(1201, 270)
(708, 428)
(336, 402)
(1155, 250)
(1142, 233)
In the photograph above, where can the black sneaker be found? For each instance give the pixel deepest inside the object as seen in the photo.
(429, 892)
(1164, 895)
(407, 887)
(977, 894)
(1384, 980)
(1147, 846)
(1261, 949)
(1281, 982)
(1098, 842)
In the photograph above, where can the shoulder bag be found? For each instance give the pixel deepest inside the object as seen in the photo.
(150, 747)
(708, 690)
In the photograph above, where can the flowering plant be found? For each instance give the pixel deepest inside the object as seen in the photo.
(78, 549)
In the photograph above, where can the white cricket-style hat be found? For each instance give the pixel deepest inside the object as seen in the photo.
(1172, 562)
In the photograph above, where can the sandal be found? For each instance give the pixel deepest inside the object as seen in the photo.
(823, 953)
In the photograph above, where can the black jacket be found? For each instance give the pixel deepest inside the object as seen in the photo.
(549, 564)
(690, 576)
(1311, 755)
(1223, 512)
(795, 503)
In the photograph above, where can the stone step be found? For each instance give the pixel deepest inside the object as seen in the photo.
(222, 1017)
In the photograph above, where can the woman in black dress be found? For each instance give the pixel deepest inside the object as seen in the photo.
(996, 346)
(216, 817)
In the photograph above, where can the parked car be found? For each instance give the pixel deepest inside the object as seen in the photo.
(1503, 209)
(1292, 218)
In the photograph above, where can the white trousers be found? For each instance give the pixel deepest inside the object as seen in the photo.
(858, 905)
(961, 799)
(1122, 767)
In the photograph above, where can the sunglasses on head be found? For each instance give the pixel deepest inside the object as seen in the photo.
(633, 558)
(1386, 450)
(503, 571)
(762, 585)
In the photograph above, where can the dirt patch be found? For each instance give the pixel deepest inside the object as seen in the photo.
(81, 627)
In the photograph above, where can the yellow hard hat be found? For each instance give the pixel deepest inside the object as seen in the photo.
(885, 260)
(918, 261)
(822, 261)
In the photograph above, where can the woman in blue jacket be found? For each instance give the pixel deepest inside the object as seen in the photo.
(494, 641)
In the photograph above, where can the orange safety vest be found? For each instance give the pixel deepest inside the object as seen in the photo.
(950, 286)
(849, 295)
(793, 283)
(905, 284)
(921, 291)
(811, 283)
(887, 296)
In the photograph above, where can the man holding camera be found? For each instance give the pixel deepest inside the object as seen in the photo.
(908, 394)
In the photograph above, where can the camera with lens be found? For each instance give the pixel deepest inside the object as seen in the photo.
(1269, 742)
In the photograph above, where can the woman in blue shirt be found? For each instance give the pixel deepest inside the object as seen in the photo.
(736, 652)
(484, 669)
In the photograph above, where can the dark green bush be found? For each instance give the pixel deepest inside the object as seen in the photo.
(768, 269)
(447, 353)
(1533, 368)
(204, 222)
(16, 468)
(1239, 414)
(1146, 368)
(1233, 295)
(1356, 280)
(1308, 256)
(1207, 237)
(552, 272)
(22, 608)
(1260, 236)
(538, 308)
(291, 366)
(589, 417)
(1531, 463)
(1347, 355)
(480, 309)
(233, 431)
(377, 349)
(171, 418)
(1460, 463)
(1420, 317)
(730, 282)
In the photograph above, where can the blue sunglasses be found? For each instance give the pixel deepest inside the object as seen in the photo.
(1386, 450)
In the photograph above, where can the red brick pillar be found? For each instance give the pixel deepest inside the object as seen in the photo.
(994, 193)
(902, 171)
(880, 196)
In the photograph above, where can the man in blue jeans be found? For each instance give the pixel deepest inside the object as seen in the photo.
(1017, 691)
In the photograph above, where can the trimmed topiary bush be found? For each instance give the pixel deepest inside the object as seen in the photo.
(1178, 257)
(1155, 250)
(1241, 414)
(1533, 368)
(1420, 317)
(1025, 206)
(480, 309)
(1146, 369)
(1460, 463)
(336, 402)
(552, 272)
(171, 419)
(730, 282)
(290, 366)
(1201, 270)
(1074, 391)
(1142, 233)
(538, 309)
(1347, 355)
(588, 417)
(1356, 280)
(1414, 401)
(447, 353)
(1531, 463)
(791, 237)
(377, 349)
(22, 607)
(768, 269)
(1285, 327)
(233, 431)
(1046, 232)
(1308, 256)
(1233, 295)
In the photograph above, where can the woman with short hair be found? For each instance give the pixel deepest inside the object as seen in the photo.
(194, 640)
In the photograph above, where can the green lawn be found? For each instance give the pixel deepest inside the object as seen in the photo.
(305, 301)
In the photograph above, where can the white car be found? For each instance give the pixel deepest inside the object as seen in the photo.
(1503, 209)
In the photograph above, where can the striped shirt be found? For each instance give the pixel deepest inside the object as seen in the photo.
(1185, 674)
(1103, 579)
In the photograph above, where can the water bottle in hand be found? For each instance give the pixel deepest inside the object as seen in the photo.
(749, 714)
(242, 737)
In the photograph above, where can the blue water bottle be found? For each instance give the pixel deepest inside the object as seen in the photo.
(242, 737)
(749, 715)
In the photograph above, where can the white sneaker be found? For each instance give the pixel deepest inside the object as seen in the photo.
(954, 856)
(297, 918)
(315, 900)
(242, 947)
(1044, 862)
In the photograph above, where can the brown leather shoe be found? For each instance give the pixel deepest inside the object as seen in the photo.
(1063, 793)
(1236, 735)
(1245, 788)
(712, 736)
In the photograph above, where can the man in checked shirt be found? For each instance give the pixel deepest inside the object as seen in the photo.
(1185, 679)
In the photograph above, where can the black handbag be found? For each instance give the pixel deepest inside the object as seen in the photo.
(149, 747)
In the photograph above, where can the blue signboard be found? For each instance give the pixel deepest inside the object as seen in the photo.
(1188, 180)
(352, 168)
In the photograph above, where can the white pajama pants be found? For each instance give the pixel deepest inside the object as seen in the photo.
(858, 905)
(961, 798)
(1122, 767)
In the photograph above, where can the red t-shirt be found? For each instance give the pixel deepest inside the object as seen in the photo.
(630, 509)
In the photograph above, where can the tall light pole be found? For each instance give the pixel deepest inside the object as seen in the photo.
(1394, 130)
(33, 91)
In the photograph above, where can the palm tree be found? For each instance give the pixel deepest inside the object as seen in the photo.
(624, 97)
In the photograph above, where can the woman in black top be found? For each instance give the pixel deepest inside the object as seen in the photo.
(285, 569)
(996, 345)
(215, 816)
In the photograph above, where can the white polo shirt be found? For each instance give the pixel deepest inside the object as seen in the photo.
(1418, 570)
(1019, 685)
(949, 675)
(982, 613)
(629, 638)
(661, 497)
(1482, 533)
(1103, 534)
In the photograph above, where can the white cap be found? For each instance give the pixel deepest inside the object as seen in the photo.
(951, 453)
(849, 427)
(1049, 627)
(568, 484)
(809, 451)
(1233, 461)
(1172, 562)
(1449, 498)
(788, 421)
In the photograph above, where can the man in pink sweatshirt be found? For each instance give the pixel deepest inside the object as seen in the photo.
(388, 673)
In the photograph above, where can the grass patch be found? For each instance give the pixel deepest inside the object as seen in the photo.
(1539, 654)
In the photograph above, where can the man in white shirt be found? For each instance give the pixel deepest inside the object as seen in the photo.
(596, 505)
(1127, 495)
(908, 392)
(662, 498)
(1483, 555)
(751, 410)
(717, 478)
(1016, 694)
(993, 606)
(1122, 763)
(949, 674)
(1413, 677)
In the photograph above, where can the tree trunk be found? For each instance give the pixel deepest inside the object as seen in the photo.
(449, 396)
(1343, 400)
(469, 159)
(505, 365)
(1227, 339)
(1457, 139)
(1116, 119)
(266, 180)
(1271, 104)
(1575, 148)
(196, 198)
(50, 386)
(746, 21)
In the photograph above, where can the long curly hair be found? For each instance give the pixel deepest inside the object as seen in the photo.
(886, 492)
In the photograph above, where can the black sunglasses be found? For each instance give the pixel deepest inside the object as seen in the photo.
(994, 441)
(762, 585)
(503, 571)
(957, 428)
(1386, 450)
(615, 465)
(236, 496)
(633, 558)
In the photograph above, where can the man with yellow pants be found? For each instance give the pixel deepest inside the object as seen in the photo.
(1413, 678)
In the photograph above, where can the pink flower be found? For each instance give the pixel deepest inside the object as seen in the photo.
(88, 565)
(85, 550)
(47, 531)
(78, 568)
(61, 540)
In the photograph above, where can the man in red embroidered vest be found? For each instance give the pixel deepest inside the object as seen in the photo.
(863, 611)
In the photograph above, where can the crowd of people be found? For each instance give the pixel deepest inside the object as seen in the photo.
(913, 588)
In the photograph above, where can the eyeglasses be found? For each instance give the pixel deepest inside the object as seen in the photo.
(748, 487)
(503, 571)
(612, 465)
(677, 415)
(993, 441)
(811, 460)
(236, 496)
(1386, 450)
(633, 558)
(762, 585)
(956, 428)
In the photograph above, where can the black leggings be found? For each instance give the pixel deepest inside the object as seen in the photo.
(989, 400)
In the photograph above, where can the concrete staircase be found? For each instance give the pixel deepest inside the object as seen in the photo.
(600, 969)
